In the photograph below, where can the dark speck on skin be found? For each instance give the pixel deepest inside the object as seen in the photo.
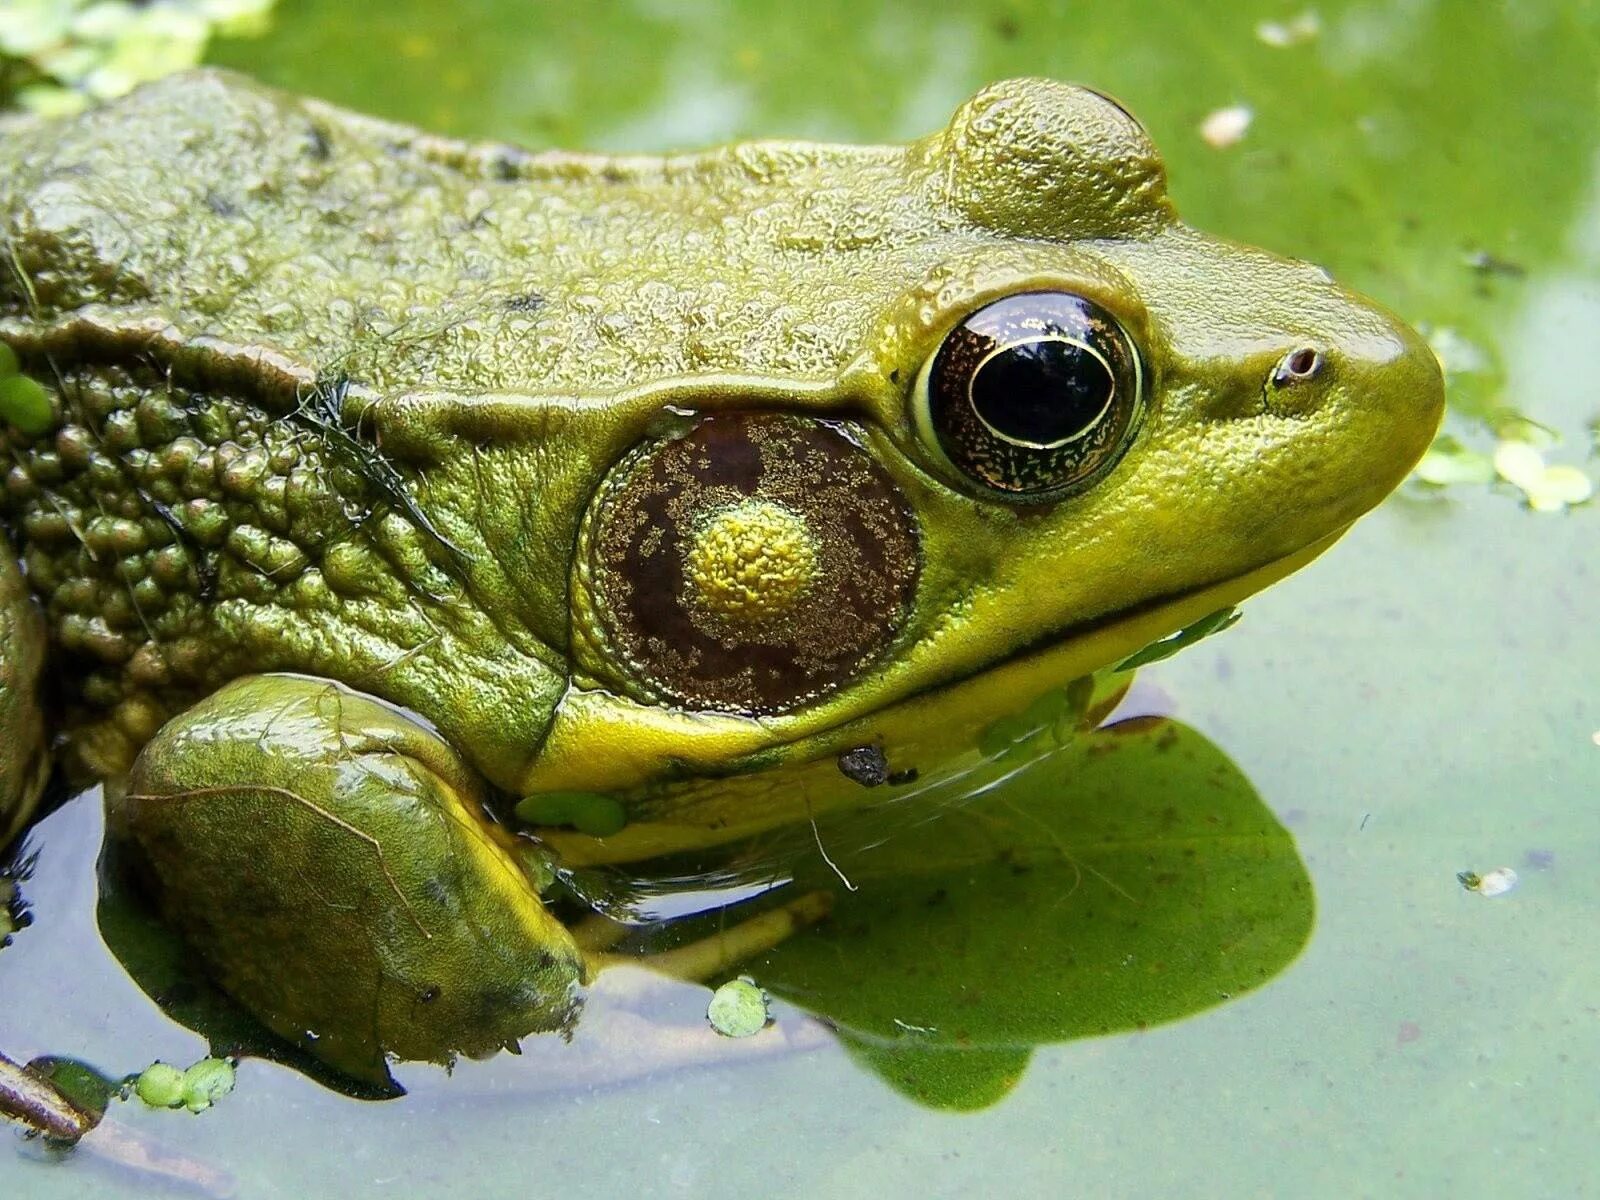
(220, 205)
(524, 302)
(866, 765)
(318, 147)
(506, 167)
(437, 891)
(1008, 859)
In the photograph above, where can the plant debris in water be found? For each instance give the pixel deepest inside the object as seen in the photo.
(738, 1008)
(1491, 883)
(1223, 618)
(162, 1085)
(39, 1105)
(866, 765)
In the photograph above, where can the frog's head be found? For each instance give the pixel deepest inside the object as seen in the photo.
(749, 456)
(1070, 424)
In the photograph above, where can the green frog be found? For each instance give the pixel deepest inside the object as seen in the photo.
(394, 523)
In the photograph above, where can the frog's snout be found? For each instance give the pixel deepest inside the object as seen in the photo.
(1416, 386)
(1395, 379)
(1379, 385)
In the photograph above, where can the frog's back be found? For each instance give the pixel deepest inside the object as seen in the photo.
(206, 205)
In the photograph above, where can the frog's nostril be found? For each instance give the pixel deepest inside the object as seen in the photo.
(1297, 366)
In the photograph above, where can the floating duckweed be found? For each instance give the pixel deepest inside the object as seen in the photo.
(1560, 488)
(1518, 463)
(8, 361)
(206, 1082)
(1547, 488)
(1448, 462)
(1518, 459)
(1491, 883)
(738, 1008)
(588, 812)
(25, 405)
(1293, 32)
(1226, 126)
(160, 1085)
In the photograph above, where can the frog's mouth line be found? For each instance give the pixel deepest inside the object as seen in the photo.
(937, 719)
(1109, 639)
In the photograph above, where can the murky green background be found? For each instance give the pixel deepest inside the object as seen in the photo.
(1423, 700)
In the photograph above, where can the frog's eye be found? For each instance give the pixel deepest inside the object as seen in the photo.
(1035, 396)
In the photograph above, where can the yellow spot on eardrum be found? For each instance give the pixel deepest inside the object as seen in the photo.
(751, 562)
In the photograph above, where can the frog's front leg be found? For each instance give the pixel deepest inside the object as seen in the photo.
(330, 860)
(24, 762)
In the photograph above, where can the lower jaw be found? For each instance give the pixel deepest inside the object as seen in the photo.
(804, 782)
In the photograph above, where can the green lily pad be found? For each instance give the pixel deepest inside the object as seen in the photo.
(1130, 878)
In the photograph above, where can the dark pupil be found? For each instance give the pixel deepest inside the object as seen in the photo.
(1041, 392)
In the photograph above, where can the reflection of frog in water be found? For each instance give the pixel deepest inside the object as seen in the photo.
(369, 482)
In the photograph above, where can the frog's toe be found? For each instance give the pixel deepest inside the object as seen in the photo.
(328, 859)
(24, 762)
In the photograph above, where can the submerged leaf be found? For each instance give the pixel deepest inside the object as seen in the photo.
(1223, 618)
(1129, 878)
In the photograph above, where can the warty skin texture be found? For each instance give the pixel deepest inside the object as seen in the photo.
(338, 404)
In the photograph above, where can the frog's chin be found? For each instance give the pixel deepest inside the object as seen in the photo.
(730, 784)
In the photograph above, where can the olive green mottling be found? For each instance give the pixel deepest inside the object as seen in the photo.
(198, 271)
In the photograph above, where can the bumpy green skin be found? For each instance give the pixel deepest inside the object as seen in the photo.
(185, 265)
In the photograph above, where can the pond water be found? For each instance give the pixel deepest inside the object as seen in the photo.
(1421, 701)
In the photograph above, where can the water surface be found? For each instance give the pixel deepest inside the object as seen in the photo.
(1422, 700)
